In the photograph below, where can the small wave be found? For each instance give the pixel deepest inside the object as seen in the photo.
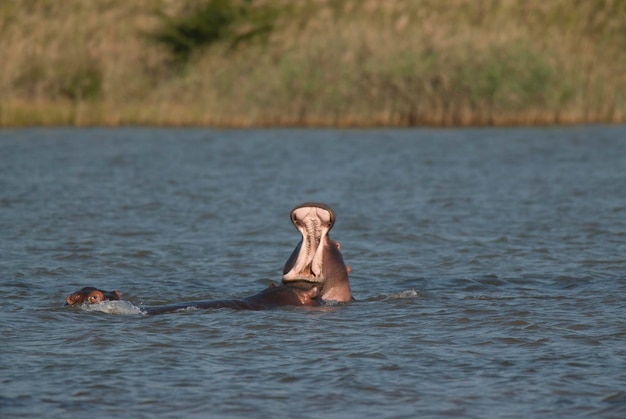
(404, 295)
(113, 307)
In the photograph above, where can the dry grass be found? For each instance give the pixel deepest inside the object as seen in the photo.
(328, 63)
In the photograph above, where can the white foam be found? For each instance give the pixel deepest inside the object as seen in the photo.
(404, 294)
(113, 307)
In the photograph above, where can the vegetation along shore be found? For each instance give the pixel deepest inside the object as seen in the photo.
(344, 63)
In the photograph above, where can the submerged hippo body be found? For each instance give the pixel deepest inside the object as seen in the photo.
(314, 273)
(272, 297)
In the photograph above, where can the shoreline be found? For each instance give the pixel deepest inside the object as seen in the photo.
(53, 114)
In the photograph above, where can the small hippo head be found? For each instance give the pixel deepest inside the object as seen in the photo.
(91, 295)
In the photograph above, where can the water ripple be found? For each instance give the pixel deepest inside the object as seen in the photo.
(488, 268)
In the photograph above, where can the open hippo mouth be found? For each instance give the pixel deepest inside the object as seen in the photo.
(306, 263)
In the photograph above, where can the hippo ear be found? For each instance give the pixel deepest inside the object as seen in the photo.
(69, 300)
(116, 294)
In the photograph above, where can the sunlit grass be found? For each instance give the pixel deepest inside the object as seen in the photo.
(324, 63)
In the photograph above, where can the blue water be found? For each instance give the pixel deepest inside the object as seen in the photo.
(489, 267)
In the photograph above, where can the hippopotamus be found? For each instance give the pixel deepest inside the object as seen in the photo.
(91, 295)
(317, 259)
(274, 296)
(314, 273)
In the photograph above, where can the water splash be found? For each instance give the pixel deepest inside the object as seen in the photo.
(113, 307)
(405, 295)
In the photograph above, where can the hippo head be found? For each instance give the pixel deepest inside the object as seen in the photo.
(91, 295)
(316, 260)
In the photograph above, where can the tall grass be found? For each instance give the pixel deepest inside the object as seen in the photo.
(320, 63)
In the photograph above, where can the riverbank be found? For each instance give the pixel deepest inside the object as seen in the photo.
(325, 63)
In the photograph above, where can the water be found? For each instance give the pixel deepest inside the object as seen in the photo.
(489, 267)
